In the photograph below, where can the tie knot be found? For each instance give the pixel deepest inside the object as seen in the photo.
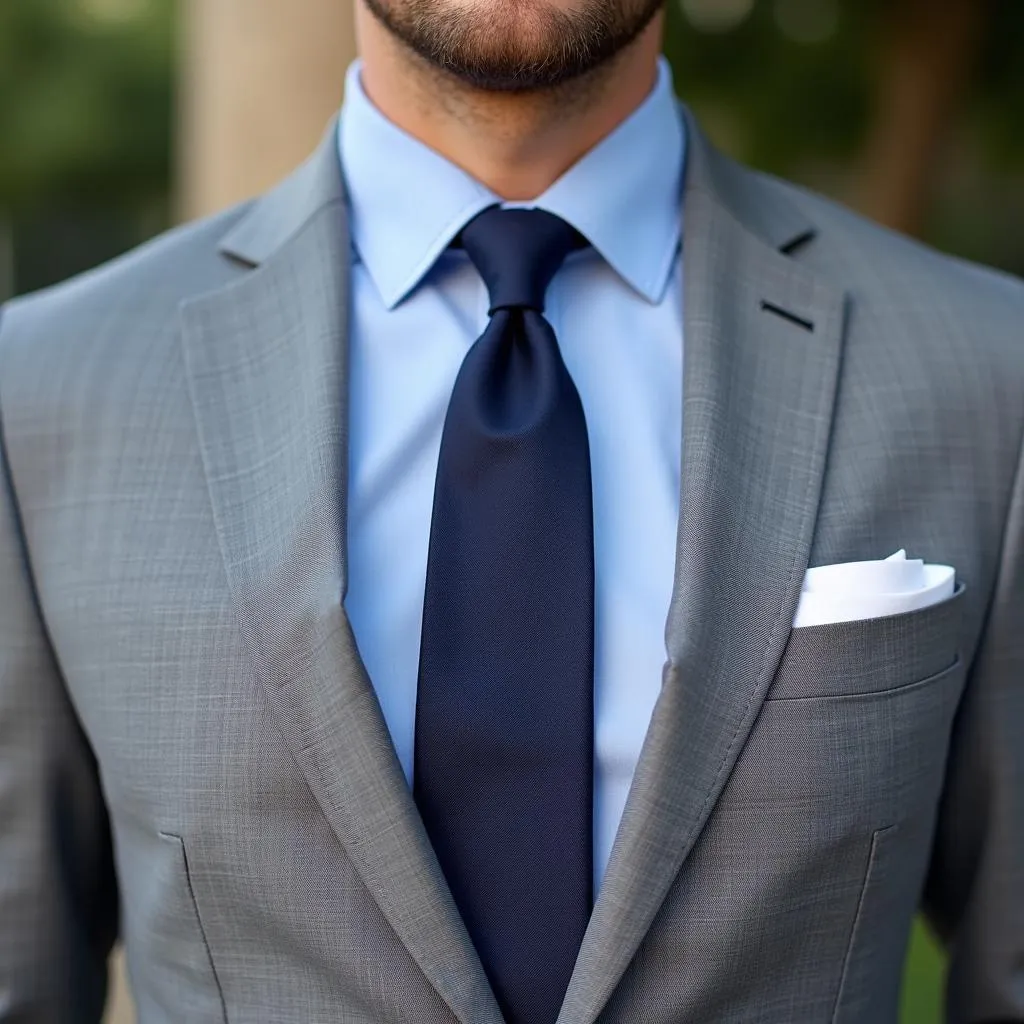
(517, 252)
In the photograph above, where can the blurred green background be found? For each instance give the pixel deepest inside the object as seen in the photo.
(910, 110)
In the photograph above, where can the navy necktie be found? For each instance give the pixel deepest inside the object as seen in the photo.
(503, 759)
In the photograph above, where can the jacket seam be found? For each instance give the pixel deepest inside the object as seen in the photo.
(199, 918)
(876, 837)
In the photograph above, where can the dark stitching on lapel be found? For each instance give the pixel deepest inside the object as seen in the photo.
(790, 247)
(770, 307)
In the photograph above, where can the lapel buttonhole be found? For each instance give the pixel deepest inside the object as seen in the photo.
(770, 307)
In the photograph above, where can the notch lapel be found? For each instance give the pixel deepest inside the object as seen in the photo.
(266, 359)
(763, 339)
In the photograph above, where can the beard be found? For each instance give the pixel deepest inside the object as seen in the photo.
(515, 45)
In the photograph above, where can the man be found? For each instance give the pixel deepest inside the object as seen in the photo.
(399, 577)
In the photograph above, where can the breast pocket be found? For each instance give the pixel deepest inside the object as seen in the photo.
(871, 656)
(856, 725)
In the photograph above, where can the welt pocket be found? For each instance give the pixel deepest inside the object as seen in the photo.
(870, 655)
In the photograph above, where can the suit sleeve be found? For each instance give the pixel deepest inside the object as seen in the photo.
(58, 906)
(975, 891)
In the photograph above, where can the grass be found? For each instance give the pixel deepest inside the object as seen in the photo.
(921, 1001)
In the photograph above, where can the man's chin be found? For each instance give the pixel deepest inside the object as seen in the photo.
(502, 77)
(517, 46)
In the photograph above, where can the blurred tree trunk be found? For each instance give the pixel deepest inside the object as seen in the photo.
(259, 82)
(927, 53)
(119, 1005)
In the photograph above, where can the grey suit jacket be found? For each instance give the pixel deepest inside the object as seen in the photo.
(190, 749)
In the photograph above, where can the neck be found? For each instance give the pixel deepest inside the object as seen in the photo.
(517, 144)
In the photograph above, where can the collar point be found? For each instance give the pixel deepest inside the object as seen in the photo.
(392, 298)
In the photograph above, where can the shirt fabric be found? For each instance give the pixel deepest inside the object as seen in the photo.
(417, 307)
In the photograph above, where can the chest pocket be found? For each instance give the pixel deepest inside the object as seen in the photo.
(856, 726)
(870, 656)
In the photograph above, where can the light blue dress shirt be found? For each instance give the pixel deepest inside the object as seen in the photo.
(416, 309)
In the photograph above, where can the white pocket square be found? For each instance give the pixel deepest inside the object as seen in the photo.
(850, 591)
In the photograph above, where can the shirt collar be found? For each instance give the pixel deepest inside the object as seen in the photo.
(407, 202)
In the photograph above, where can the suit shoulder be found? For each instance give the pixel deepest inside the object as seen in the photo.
(136, 292)
(95, 349)
(898, 275)
(947, 332)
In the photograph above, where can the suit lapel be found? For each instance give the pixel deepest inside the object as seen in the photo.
(267, 364)
(761, 354)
